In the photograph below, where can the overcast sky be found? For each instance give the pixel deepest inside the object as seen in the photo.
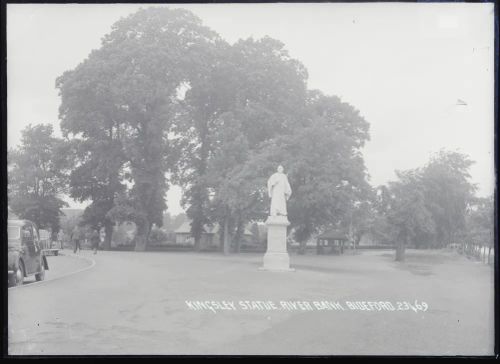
(404, 66)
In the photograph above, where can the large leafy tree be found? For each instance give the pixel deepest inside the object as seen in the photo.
(320, 150)
(90, 119)
(255, 90)
(97, 176)
(344, 117)
(207, 96)
(229, 207)
(326, 172)
(37, 173)
(131, 84)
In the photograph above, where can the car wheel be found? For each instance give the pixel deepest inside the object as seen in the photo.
(12, 280)
(20, 275)
(41, 276)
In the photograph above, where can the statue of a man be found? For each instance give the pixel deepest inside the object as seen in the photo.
(279, 191)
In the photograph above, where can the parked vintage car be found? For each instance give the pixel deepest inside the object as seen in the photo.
(25, 255)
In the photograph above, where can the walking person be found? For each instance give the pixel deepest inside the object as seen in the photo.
(60, 237)
(75, 238)
(95, 238)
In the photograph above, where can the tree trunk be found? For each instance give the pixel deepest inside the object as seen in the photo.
(221, 236)
(302, 247)
(108, 233)
(197, 225)
(400, 253)
(400, 249)
(238, 235)
(200, 193)
(140, 243)
(141, 239)
(226, 235)
(356, 241)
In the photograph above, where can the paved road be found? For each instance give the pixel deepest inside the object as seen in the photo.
(134, 303)
(66, 263)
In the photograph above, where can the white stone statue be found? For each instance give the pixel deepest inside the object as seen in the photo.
(279, 191)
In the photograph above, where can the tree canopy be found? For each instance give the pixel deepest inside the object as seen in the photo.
(125, 94)
(165, 100)
(38, 173)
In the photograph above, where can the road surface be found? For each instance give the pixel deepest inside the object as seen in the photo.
(135, 303)
(60, 266)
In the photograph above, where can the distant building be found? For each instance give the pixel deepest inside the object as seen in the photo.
(210, 238)
(331, 240)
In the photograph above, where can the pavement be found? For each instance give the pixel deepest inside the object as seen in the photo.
(171, 303)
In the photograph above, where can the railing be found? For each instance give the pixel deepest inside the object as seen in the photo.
(478, 251)
(45, 244)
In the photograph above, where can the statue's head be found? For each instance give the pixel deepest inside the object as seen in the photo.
(280, 169)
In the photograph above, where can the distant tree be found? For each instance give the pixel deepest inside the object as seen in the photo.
(380, 227)
(173, 222)
(68, 224)
(449, 193)
(37, 174)
(167, 221)
(428, 206)
(480, 221)
(407, 211)
(178, 220)
(361, 219)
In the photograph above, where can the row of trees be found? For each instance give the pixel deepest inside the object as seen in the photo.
(433, 206)
(165, 100)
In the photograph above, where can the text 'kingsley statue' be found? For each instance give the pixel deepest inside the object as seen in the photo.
(279, 191)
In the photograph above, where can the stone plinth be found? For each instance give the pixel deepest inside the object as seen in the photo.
(276, 257)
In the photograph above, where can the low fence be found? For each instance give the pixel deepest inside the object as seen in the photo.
(482, 252)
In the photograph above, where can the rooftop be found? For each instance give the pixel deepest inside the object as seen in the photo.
(333, 234)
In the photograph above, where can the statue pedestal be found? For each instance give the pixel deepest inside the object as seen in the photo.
(276, 257)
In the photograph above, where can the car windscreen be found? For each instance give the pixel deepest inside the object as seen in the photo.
(13, 232)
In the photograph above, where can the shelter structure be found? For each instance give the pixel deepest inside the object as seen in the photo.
(331, 241)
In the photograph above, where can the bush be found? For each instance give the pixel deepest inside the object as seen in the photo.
(157, 236)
